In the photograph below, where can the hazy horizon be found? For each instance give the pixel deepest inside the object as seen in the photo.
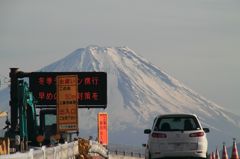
(197, 42)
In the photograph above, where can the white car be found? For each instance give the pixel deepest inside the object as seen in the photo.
(178, 136)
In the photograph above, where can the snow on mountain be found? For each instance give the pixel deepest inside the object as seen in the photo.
(137, 91)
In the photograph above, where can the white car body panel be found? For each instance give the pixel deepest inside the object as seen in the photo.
(177, 143)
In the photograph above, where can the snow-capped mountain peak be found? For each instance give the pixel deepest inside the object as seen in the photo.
(138, 90)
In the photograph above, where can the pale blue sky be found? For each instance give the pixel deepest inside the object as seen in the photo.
(195, 41)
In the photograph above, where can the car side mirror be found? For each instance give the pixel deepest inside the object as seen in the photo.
(206, 130)
(144, 145)
(147, 131)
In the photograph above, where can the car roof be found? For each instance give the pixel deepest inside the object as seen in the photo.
(176, 115)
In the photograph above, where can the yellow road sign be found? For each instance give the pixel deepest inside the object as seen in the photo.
(67, 103)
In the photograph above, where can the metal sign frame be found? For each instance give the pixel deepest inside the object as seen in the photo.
(92, 89)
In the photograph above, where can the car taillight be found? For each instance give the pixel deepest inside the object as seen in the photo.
(197, 134)
(159, 135)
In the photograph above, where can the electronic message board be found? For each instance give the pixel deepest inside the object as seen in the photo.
(92, 88)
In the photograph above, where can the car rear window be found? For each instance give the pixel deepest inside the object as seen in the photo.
(177, 123)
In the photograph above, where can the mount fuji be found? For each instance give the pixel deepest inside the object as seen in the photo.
(137, 92)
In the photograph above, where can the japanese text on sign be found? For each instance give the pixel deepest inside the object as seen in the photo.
(92, 88)
(103, 128)
(67, 99)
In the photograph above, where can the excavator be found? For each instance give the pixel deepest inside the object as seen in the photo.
(28, 126)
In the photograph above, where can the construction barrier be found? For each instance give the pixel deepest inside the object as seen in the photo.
(81, 148)
(95, 147)
(217, 156)
(4, 146)
(234, 150)
(224, 152)
(234, 155)
(213, 155)
(62, 151)
(89, 149)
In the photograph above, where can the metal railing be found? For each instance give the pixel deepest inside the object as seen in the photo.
(62, 151)
(126, 150)
(70, 151)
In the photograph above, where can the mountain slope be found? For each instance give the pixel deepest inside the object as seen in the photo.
(137, 91)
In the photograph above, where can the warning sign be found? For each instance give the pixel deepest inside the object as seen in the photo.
(92, 88)
(103, 128)
(67, 103)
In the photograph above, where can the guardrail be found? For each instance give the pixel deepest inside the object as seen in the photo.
(126, 150)
(62, 151)
(4, 146)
